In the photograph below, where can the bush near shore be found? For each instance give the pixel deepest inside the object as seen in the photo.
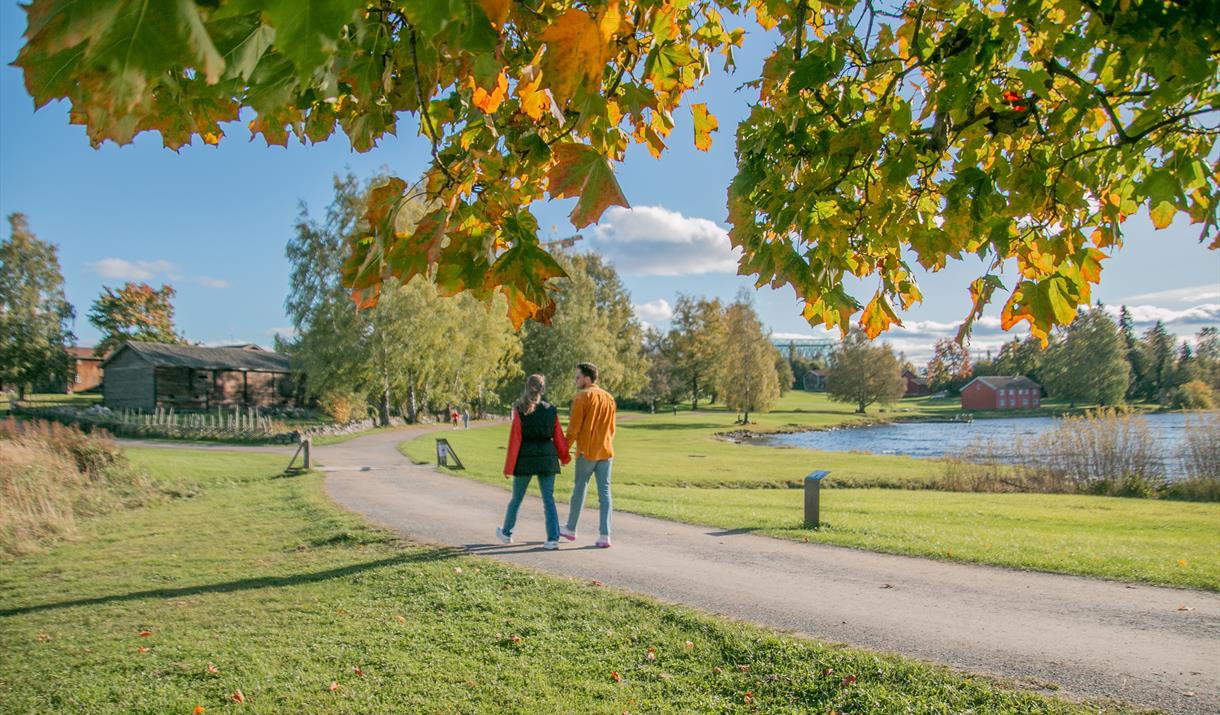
(1105, 452)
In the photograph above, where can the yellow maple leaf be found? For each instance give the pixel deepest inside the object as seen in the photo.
(576, 50)
(489, 102)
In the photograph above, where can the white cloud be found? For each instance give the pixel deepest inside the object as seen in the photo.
(288, 332)
(207, 282)
(1205, 314)
(119, 269)
(1191, 294)
(654, 312)
(654, 241)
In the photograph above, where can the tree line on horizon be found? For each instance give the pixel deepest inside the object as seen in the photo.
(421, 351)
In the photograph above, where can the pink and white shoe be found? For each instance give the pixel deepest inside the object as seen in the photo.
(603, 542)
(567, 535)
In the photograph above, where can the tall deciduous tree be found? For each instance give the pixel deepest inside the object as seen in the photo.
(695, 341)
(593, 322)
(35, 317)
(746, 374)
(883, 132)
(949, 368)
(1088, 364)
(862, 373)
(136, 312)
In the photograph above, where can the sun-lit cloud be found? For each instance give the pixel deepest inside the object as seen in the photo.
(654, 312)
(119, 269)
(654, 241)
(1189, 294)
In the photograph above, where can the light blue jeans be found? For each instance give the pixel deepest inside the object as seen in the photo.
(546, 484)
(601, 470)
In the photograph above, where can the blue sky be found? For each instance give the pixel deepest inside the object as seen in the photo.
(213, 222)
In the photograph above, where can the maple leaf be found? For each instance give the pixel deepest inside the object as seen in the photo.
(306, 31)
(358, 671)
(689, 645)
(238, 696)
(878, 316)
(496, 11)
(614, 675)
(575, 57)
(849, 680)
(213, 669)
(580, 171)
(142, 649)
(145, 634)
(334, 686)
(705, 124)
(489, 101)
(522, 273)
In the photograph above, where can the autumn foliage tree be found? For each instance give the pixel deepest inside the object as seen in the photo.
(884, 134)
(136, 312)
(949, 368)
(747, 375)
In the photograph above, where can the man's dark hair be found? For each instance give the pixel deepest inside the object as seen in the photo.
(589, 370)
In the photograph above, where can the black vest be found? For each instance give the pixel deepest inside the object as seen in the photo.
(538, 454)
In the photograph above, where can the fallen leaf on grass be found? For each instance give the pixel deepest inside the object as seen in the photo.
(145, 634)
(1189, 693)
(849, 680)
(401, 619)
(743, 668)
(689, 646)
(828, 671)
(213, 669)
(141, 649)
(597, 583)
(651, 654)
(615, 676)
(1182, 563)
(515, 639)
(665, 676)
(748, 696)
(43, 637)
(457, 569)
(238, 696)
(717, 670)
(358, 671)
(334, 685)
(198, 710)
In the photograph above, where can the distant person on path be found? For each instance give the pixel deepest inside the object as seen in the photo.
(536, 448)
(591, 429)
(465, 418)
(453, 417)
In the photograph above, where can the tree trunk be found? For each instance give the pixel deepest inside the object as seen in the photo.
(694, 394)
(412, 407)
(860, 408)
(746, 420)
(383, 409)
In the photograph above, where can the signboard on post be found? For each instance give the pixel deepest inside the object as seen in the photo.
(445, 456)
(813, 489)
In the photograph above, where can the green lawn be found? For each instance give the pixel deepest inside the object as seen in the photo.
(257, 583)
(659, 457)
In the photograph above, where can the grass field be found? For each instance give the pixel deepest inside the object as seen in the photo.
(258, 584)
(660, 458)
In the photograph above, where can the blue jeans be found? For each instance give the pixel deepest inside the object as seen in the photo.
(601, 470)
(546, 484)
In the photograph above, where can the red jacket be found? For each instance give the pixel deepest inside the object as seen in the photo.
(514, 444)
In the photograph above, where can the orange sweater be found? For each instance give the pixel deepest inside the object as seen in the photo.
(591, 424)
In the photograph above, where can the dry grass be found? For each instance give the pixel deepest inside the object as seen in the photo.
(52, 475)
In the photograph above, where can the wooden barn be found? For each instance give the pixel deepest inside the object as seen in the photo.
(916, 386)
(145, 376)
(1001, 393)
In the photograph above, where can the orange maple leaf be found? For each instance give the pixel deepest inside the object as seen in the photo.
(615, 676)
(238, 696)
(145, 634)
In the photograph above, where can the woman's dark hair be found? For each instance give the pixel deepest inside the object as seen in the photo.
(589, 370)
(535, 385)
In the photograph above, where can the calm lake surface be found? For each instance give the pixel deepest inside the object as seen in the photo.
(937, 439)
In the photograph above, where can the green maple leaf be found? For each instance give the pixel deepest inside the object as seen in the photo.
(579, 170)
(306, 31)
(522, 273)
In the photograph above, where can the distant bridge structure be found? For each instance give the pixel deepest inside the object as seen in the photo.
(818, 349)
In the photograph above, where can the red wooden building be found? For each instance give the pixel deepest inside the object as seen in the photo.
(87, 369)
(916, 386)
(1001, 393)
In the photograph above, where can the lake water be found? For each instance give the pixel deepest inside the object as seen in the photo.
(937, 439)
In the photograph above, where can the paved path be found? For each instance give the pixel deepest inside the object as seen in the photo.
(1148, 645)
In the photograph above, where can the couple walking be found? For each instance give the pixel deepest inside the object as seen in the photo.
(537, 446)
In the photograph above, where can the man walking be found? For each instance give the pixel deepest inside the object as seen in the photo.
(591, 429)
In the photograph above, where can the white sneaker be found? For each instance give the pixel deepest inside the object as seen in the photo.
(564, 533)
(551, 545)
(504, 538)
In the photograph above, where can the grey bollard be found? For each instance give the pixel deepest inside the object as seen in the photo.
(308, 444)
(813, 488)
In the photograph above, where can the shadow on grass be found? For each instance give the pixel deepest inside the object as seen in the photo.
(245, 584)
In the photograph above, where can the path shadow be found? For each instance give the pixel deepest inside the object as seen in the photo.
(245, 584)
(497, 549)
(733, 532)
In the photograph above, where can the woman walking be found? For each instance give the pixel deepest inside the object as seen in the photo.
(536, 448)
